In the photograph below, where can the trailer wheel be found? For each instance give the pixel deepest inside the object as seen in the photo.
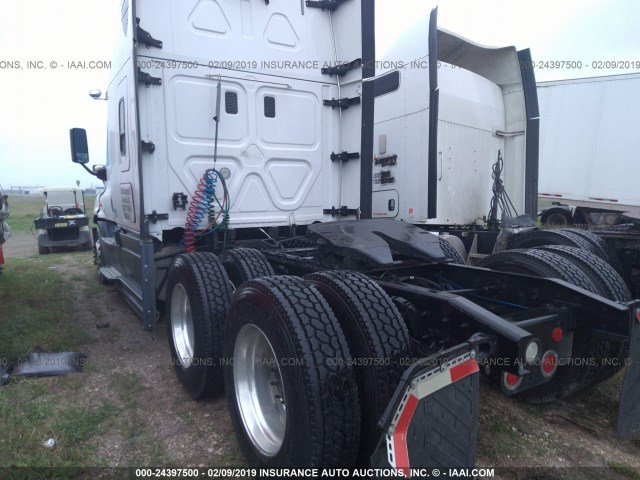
(557, 217)
(244, 264)
(291, 389)
(451, 253)
(198, 296)
(569, 379)
(601, 247)
(377, 337)
(540, 238)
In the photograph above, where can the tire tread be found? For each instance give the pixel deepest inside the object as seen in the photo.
(332, 394)
(378, 323)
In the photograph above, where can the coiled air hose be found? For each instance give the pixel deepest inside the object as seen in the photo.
(203, 205)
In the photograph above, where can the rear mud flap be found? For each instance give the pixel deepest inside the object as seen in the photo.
(432, 420)
(629, 411)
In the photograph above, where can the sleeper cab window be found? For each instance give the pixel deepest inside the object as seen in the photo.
(270, 107)
(231, 103)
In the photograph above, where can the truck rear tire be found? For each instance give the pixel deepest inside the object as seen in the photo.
(377, 337)
(540, 238)
(42, 250)
(291, 389)
(451, 253)
(599, 271)
(615, 289)
(569, 379)
(601, 247)
(244, 264)
(198, 297)
(539, 263)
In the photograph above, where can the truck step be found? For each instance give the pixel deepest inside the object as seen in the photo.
(110, 273)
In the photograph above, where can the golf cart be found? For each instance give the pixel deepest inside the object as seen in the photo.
(63, 222)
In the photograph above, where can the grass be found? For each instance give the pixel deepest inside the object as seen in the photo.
(26, 208)
(127, 386)
(31, 412)
(36, 304)
(499, 439)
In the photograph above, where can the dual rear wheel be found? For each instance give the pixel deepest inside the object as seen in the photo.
(308, 365)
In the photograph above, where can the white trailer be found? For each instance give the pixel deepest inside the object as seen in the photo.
(589, 146)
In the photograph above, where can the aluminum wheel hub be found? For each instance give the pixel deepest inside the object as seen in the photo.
(259, 390)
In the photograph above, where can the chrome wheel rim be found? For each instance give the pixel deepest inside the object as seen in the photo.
(259, 390)
(182, 325)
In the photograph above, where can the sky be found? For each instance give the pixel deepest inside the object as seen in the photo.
(38, 106)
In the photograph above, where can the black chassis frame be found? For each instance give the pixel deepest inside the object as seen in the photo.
(443, 304)
(510, 309)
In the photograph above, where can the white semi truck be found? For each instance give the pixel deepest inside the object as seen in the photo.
(245, 188)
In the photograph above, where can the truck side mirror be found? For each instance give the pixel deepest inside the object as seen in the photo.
(79, 146)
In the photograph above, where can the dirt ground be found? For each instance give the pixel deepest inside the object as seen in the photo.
(20, 245)
(161, 425)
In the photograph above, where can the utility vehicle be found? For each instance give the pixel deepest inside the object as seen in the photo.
(63, 221)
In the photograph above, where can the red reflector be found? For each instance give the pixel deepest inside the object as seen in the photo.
(512, 379)
(400, 435)
(460, 371)
(557, 335)
(549, 363)
(638, 315)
